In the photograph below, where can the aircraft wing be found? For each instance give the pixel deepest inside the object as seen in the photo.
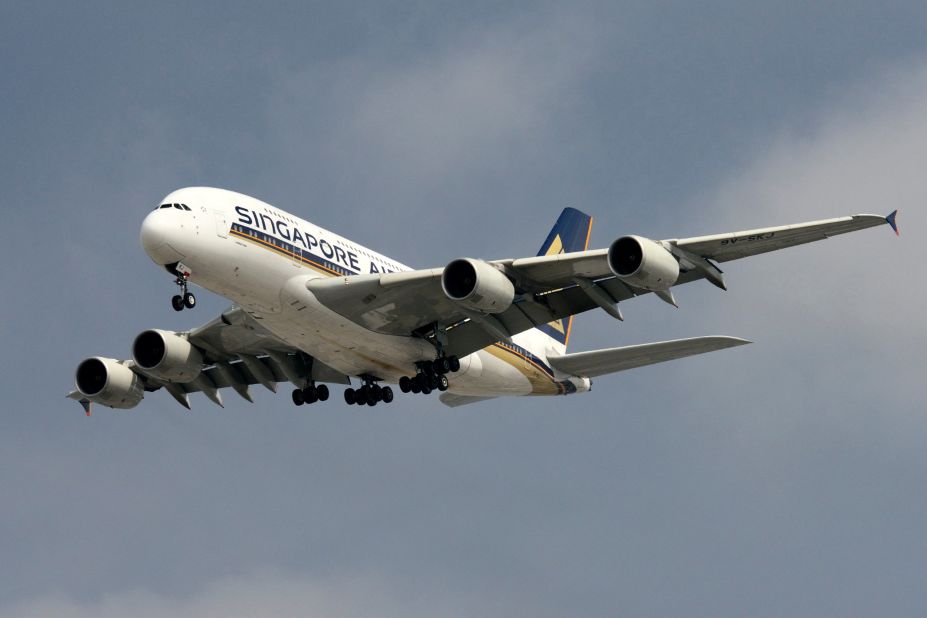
(613, 360)
(238, 353)
(548, 287)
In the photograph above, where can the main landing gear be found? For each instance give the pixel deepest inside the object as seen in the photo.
(310, 394)
(186, 297)
(431, 376)
(369, 394)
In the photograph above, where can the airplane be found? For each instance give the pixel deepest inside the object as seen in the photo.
(313, 308)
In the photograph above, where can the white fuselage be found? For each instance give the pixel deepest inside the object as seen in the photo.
(260, 258)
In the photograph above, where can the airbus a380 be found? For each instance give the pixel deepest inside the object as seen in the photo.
(313, 308)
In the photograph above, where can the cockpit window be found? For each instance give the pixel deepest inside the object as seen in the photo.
(177, 206)
(163, 206)
(185, 207)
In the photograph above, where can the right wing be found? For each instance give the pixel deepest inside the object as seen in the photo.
(237, 353)
(602, 362)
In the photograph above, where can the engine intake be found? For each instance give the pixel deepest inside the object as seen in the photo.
(108, 382)
(167, 356)
(643, 263)
(477, 285)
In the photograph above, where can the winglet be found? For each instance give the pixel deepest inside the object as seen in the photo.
(891, 221)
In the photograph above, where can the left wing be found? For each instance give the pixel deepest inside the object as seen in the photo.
(549, 287)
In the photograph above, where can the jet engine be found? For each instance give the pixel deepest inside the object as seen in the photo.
(643, 263)
(109, 383)
(167, 356)
(477, 285)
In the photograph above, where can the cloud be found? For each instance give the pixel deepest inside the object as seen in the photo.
(838, 325)
(403, 135)
(271, 593)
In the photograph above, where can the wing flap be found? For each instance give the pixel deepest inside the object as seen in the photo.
(602, 362)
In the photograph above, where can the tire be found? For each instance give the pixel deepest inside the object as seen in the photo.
(189, 300)
(376, 393)
(298, 397)
(371, 402)
(415, 387)
(405, 384)
(177, 302)
(387, 394)
(426, 390)
(455, 364)
(310, 394)
(441, 366)
(442, 383)
(433, 382)
(350, 396)
(360, 397)
(321, 392)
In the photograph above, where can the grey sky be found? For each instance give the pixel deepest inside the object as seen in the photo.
(783, 478)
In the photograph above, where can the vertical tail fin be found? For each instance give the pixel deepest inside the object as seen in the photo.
(570, 233)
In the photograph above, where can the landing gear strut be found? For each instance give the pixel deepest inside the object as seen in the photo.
(186, 297)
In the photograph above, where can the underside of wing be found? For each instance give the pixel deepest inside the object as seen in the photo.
(547, 288)
(602, 362)
(455, 401)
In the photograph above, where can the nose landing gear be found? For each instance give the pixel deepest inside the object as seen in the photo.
(186, 297)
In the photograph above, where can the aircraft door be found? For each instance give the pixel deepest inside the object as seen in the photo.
(222, 224)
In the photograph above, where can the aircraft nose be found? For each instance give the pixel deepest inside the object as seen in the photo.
(156, 230)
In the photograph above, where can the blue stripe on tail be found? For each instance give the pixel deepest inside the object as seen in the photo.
(570, 233)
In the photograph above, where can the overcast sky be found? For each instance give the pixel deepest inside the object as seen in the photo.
(785, 478)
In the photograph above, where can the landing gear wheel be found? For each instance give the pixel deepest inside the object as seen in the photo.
(189, 300)
(177, 302)
(387, 394)
(415, 387)
(321, 391)
(310, 394)
(426, 390)
(433, 382)
(298, 397)
(441, 365)
(371, 402)
(405, 384)
(454, 363)
(375, 393)
(350, 397)
(442, 383)
(360, 397)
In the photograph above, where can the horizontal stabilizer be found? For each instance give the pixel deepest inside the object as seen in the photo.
(454, 401)
(601, 362)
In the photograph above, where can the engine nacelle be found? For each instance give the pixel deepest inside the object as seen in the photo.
(643, 263)
(167, 356)
(477, 285)
(109, 383)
